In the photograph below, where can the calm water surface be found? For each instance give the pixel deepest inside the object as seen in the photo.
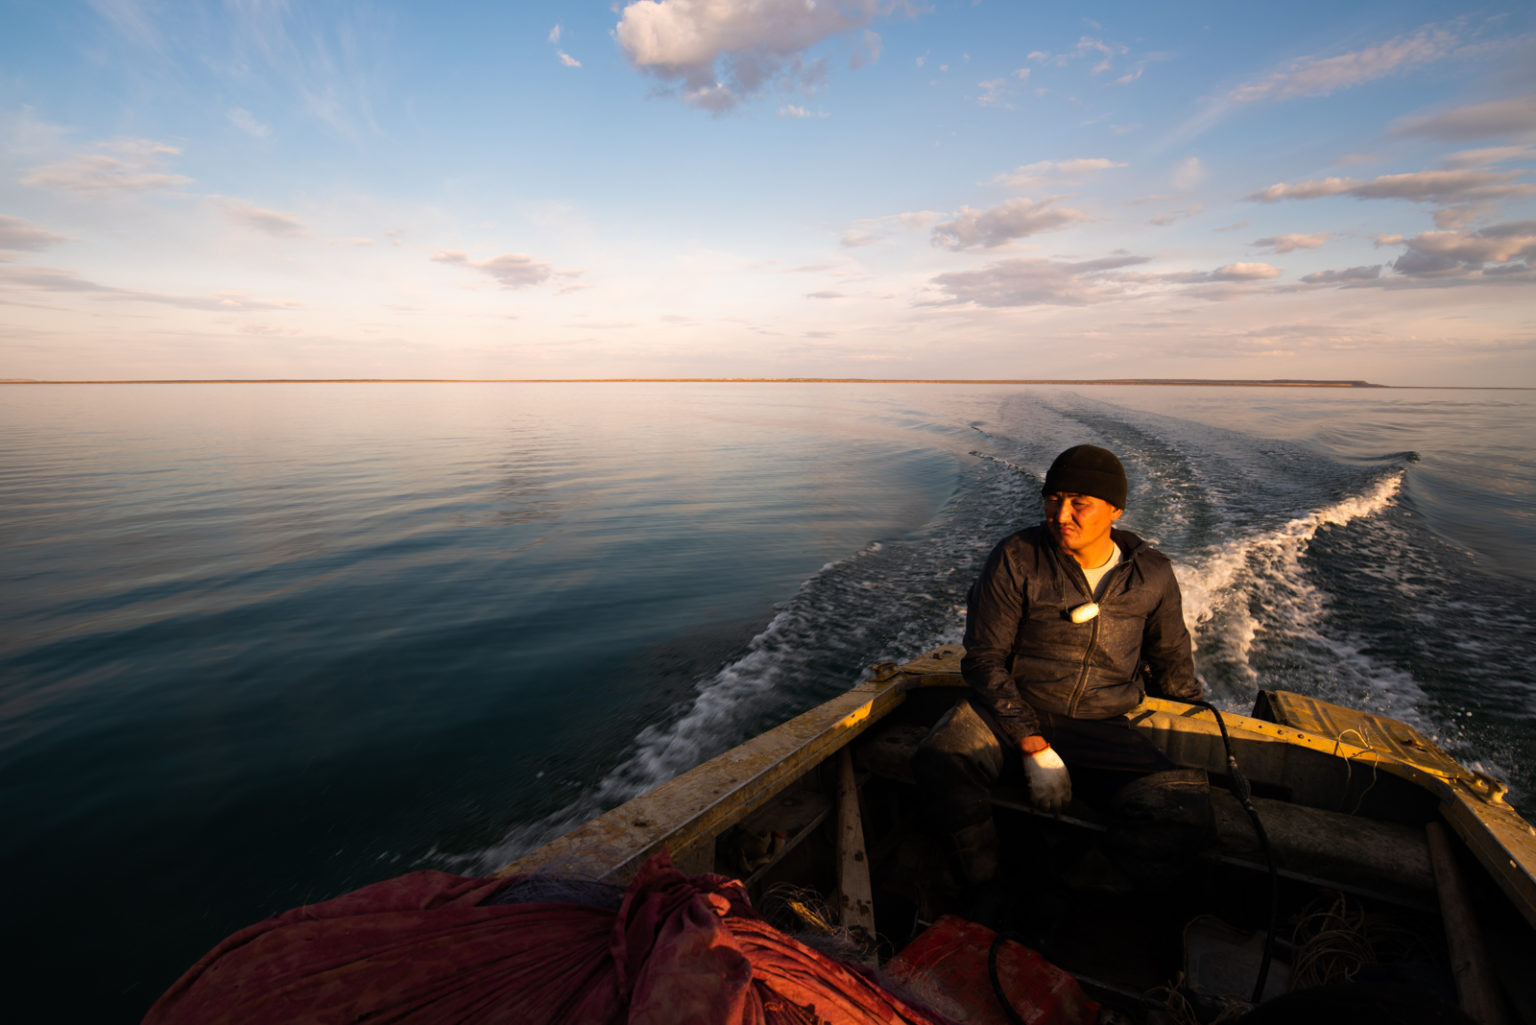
(265, 643)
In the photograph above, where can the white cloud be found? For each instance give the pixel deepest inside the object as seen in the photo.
(1453, 218)
(1106, 52)
(1014, 218)
(122, 165)
(270, 222)
(131, 21)
(247, 123)
(1320, 76)
(1343, 277)
(16, 233)
(995, 92)
(1245, 272)
(567, 60)
(53, 279)
(512, 270)
(1421, 186)
(1086, 48)
(1032, 282)
(791, 110)
(1445, 253)
(1041, 172)
(1488, 155)
(1512, 118)
(1290, 243)
(1164, 219)
(721, 51)
(869, 53)
(554, 35)
(1188, 174)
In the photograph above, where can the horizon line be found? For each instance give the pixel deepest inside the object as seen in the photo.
(1276, 382)
(1284, 382)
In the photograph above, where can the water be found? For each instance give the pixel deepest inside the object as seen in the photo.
(262, 644)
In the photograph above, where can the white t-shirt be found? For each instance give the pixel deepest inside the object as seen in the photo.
(1097, 574)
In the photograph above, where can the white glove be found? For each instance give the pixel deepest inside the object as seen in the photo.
(1050, 786)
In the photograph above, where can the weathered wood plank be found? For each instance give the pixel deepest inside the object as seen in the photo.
(856, 897)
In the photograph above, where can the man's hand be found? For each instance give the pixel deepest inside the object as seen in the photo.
(1050, 786)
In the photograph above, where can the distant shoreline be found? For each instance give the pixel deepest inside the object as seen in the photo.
(1137, 381)
(1275, 383)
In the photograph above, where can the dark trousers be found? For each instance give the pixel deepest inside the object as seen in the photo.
(961, 759)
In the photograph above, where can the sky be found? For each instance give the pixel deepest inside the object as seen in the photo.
(768, 188)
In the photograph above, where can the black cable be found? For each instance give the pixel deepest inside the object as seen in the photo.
(1244, 794)
(997, 983)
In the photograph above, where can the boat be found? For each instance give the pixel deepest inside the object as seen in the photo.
(1352, 871)
(1351, 856)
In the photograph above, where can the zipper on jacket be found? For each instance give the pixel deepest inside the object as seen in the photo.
(1082, 676)
(1093, 638)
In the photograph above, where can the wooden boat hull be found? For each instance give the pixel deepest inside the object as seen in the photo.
(1326, 756)
(1351, 803)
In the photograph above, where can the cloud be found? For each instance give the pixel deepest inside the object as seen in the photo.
(1313, 76)
(1215, 284)
(1452, 218)
(1032, 282)
(825, 295)
(1488, 155)
(1245, 272)
(1132, 75)
(1028, 176)
(512, 270)
(1342, 277)
(790, 110)
(247, 123)
(1188, 174)
(1107, 52)
(1014, 218)
(1087, 48)
(269, 222)
(122, 165)
(719, 52)
(1456, 253)
(565, 58)
(52, 279)
(1321, 76)
(16, 233)
(334, 65)
(1290, 243)
(1165, 219)
(130, 20)
(1421, 186)
(995, 92)
(1514, 118)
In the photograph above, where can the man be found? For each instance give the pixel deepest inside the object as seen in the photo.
(1069, 623)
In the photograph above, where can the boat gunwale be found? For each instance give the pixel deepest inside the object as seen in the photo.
(684, 815)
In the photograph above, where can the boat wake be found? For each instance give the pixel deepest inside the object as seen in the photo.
(1277, 594)
(1251, 597)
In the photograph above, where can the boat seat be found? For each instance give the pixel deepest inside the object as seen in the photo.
(1348, 852)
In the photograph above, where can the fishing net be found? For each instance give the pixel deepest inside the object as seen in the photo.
(429, 947)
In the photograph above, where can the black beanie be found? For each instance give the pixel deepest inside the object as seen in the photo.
(1087, 470)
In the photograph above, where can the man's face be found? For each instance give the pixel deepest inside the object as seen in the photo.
(1079, 522)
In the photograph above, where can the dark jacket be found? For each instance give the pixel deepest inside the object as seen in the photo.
(1023, 652)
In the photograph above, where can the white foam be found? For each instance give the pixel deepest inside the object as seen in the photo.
(1256, 589)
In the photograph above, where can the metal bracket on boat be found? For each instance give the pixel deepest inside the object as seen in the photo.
(1485, 786)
